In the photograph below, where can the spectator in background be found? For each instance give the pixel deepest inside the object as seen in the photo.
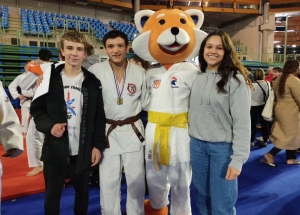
(250, 75)
(285, 132)
(139, 61)
(34, 138)
(92, 57)
(24, 102)
(277, 72)
(270, 74)
(258, 100)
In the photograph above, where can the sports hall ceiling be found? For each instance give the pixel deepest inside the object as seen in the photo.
(218, 13)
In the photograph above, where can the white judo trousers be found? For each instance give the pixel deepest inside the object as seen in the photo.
(125, 147)
(110, 182)
(25, 115)
(34, 143)
(10, 130)
(170, 91)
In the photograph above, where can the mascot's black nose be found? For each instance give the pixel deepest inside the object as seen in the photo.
(175, 30)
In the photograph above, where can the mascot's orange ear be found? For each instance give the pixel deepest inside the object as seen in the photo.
(141, 17)
(168, 36)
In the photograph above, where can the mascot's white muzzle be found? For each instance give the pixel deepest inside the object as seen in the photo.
(173, 39)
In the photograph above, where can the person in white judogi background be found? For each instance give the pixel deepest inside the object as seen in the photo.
(10, 131)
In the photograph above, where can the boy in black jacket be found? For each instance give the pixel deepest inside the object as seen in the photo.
(71, 116)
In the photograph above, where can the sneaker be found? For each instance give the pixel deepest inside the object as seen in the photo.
(251, 144)
(260, 138)
(263, 144)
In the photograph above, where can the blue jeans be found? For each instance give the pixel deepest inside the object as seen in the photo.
(214, 194)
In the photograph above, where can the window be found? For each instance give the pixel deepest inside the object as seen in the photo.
(33, 43)
(14, 41)
(50, 44)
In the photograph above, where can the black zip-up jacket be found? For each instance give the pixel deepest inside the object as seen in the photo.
(49, 109)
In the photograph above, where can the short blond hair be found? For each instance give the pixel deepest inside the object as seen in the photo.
(259, 74)
(74, 36)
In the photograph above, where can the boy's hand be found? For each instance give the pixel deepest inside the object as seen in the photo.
(96, 156)
(21, 97)
(39, 80)
(58, 129)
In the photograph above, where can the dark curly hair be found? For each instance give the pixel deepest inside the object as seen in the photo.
(230, 63)
(290, 67)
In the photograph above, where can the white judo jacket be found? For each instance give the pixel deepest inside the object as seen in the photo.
(170, 93)
(123, 138)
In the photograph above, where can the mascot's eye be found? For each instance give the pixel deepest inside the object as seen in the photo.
(182, 21)
(162, 21)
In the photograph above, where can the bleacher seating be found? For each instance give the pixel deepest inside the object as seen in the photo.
(13, 59)
(40, 22)
(4, 17)
(129, 29)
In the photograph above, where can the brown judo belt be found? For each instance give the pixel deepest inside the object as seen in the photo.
(115, 123)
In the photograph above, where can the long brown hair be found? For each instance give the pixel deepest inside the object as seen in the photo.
(230, 63)
(289, 67)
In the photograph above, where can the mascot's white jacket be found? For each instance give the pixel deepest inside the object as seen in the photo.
(170, 37)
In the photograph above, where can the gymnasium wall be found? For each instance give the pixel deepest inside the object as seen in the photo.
(247, 32)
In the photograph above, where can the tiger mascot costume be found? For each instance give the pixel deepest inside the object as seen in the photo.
(168, 37)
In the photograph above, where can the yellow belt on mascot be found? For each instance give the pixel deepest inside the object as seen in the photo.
(164, 122)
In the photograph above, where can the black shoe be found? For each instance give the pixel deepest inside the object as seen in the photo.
(263, 144)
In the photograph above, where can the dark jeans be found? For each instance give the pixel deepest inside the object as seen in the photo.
(55, 174)
(290, 154)
(256, 114)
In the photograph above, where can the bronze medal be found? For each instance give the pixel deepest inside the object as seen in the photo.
(119, 101)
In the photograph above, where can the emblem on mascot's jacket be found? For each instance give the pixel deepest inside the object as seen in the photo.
(131, 89)
(174, 82)
(156, 84)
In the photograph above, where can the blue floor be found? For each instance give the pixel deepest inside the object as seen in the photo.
(263, 190)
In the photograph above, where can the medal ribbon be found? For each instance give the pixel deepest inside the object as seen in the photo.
(120, 91)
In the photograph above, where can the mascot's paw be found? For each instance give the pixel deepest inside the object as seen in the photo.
(151, 211)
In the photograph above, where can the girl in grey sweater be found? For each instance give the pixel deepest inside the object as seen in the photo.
(219, 119)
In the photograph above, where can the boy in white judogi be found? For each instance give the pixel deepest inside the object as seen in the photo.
(123, 89)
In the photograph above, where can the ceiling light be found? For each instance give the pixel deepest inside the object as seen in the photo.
(116, 9)
(81, 3)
